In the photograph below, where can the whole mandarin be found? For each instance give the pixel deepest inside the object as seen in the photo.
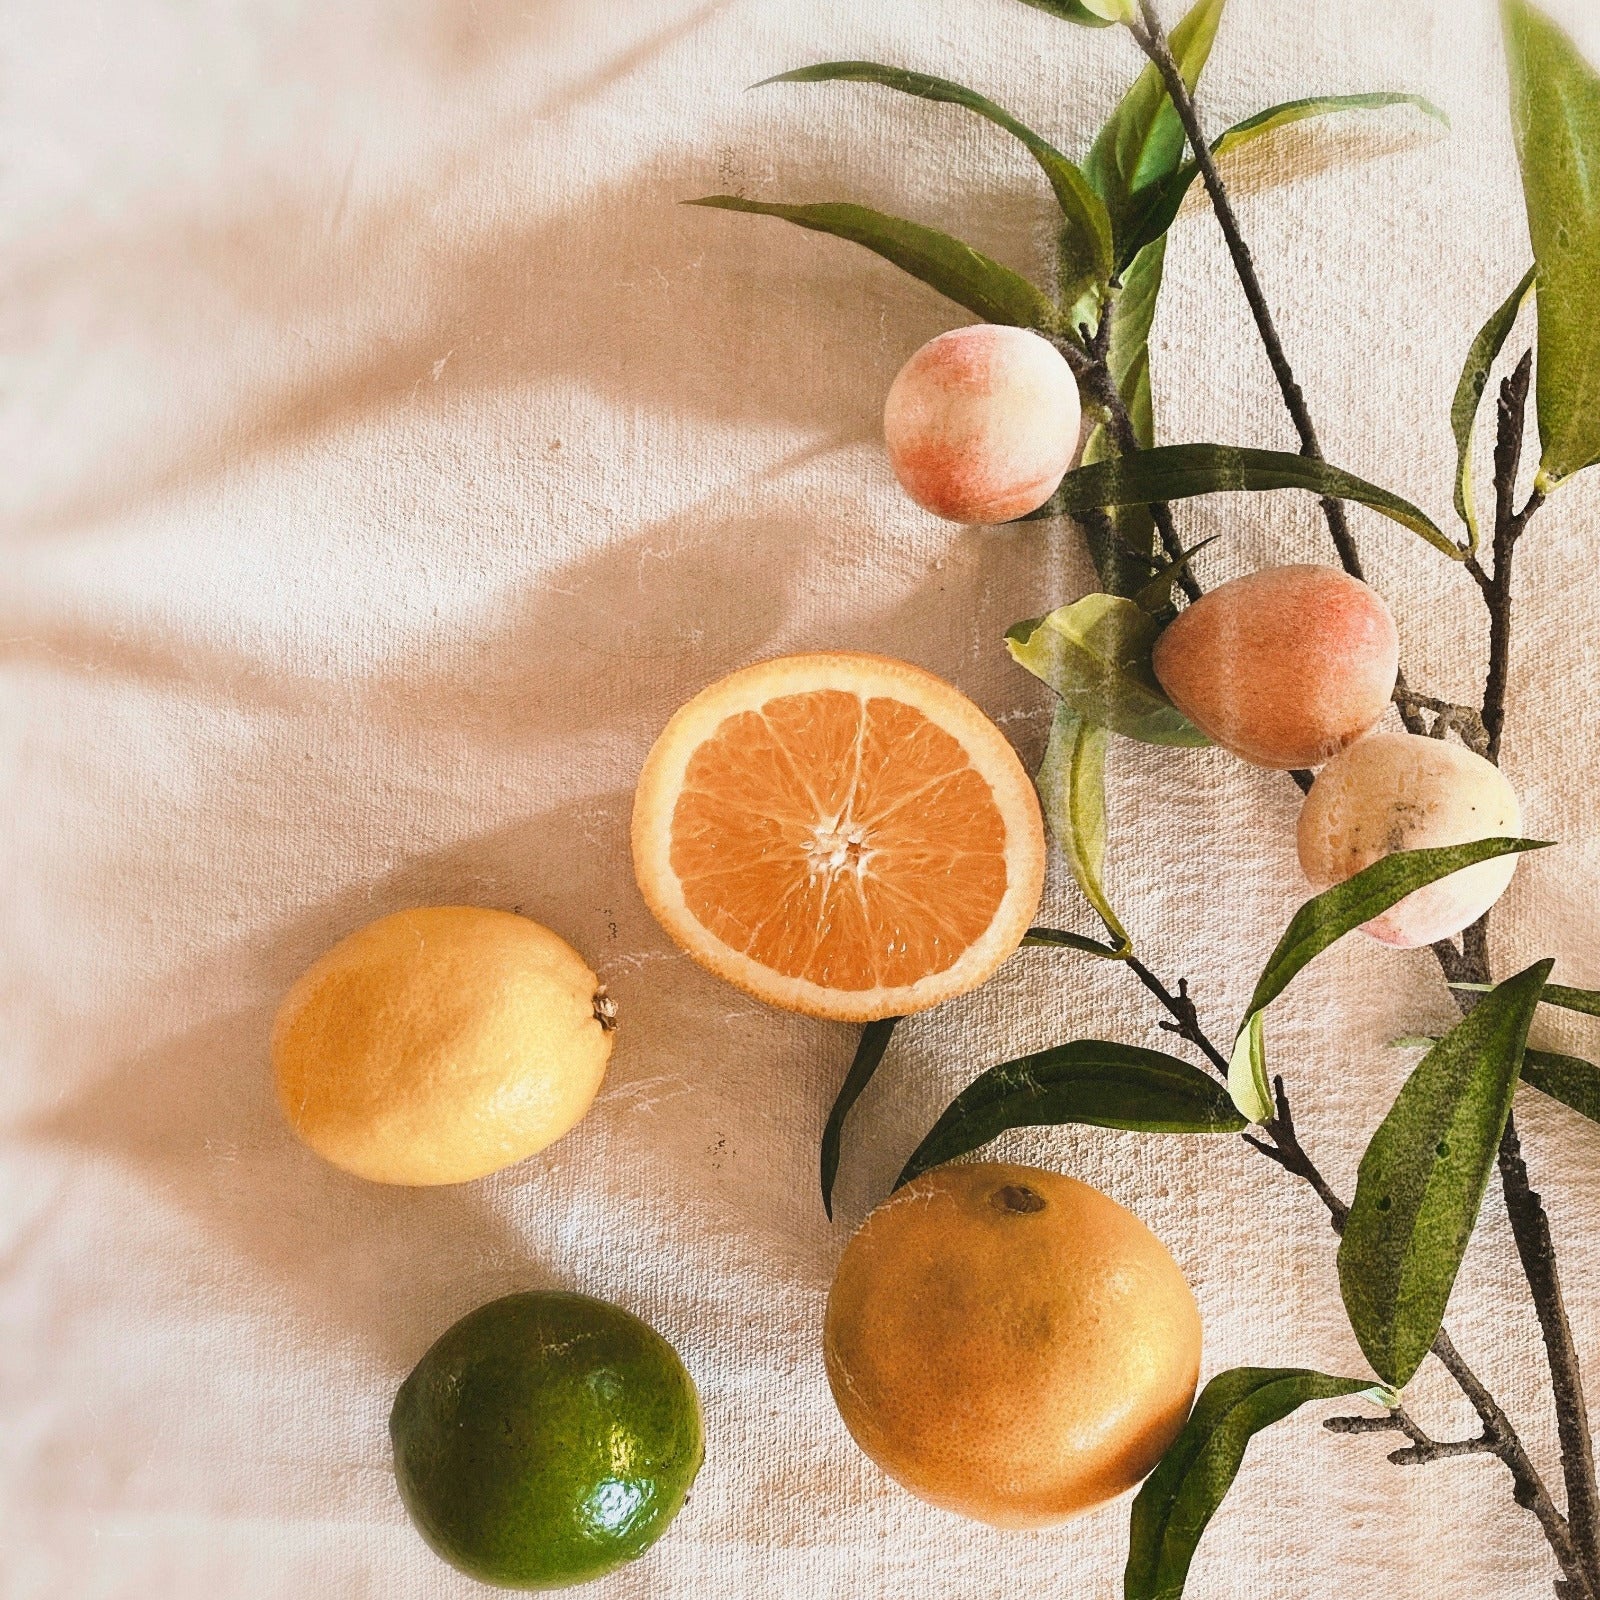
(1010, 1344)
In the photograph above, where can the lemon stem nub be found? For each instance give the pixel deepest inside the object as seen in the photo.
(605, 1009)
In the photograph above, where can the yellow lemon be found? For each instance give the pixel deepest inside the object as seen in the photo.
(441, 1044)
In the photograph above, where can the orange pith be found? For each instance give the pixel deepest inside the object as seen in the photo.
(845, 841)
(839, 834)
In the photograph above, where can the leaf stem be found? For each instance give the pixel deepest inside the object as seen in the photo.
(1186, 1020)
(1152, 39)
(1093, 372)
(1422, 1449)
(1509, 525)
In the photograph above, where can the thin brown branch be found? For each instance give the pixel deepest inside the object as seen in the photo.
(1530, 1223)
(1285, 1150)
(1508, 528)
(1093, 372)
(1466, 722)
(1423, 1448)
(1528, 1489)
(1185, 1019)
(1152, 40)
(1530, 1227)
(1292, 1157)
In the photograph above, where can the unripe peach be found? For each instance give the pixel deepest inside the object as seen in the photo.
(1402, 791)
(1283, 667)
(982, 423)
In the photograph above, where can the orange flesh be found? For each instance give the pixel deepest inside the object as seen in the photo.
(845, 842)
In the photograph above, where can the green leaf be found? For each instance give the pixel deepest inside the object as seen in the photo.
(1095, 654)
(1086, 243)
(1247, 1071)
(1139, 147)
(1125, 565)
(1569, 1079)
(1555, 994)
(960, 273)
(1156, 595)
(1327, 918)
(1090, 1081)
(1072, 785)
(1086, 13)
(1555, 106)
(1481, 358)
(869, 1053)
(1055, 939)
(1162, 202)
(1142, 142)
(1422, 1179)
(1182, 471)
(1181, 1496)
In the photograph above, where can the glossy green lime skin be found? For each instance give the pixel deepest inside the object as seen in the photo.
(545, 1440)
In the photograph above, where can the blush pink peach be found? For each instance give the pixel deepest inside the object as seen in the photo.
(982, 423)
(1283, 667)
(1402, 791)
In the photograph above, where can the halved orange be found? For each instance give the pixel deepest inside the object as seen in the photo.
(840, 834)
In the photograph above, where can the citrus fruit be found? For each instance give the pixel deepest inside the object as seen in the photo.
(1010, 1344)
(546, 1439)
(840, 834)
(441, 1044)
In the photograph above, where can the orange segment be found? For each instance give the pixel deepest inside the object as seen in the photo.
(839, 834)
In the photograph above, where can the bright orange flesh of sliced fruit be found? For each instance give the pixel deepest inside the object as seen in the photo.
(839, 834)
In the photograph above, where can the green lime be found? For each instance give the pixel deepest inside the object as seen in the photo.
(546, 1439)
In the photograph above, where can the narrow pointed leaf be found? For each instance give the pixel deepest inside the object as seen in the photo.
(960, 273)
(1247, 1071)
(1181, 1496)
(1157, 594)
(1142, 142)
(1072, 787)
(1422, 1179)
(1086, 242)
(1569, 1079)
(1555, 994)
(1055, 939)
(1555, 106)
(1137, 150)
(1481, 358)
(1095, 654)
(1161, 203)
(1327, 918)
(1182, 471)
(869, 1054)
(1124, 564)
(1090, 1081)
(1073, 11)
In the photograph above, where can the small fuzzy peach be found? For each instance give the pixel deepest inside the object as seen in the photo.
(1402, 791)
(982, 423)
(1283, 667)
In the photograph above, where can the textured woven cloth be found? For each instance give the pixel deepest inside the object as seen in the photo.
(388, 453)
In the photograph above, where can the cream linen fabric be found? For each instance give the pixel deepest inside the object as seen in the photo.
(387, 454)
